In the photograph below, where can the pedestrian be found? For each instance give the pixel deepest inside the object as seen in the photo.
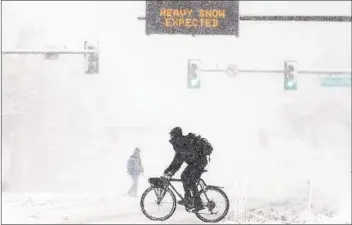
(134, 170)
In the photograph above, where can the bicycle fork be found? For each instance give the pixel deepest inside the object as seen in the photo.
(160, 194)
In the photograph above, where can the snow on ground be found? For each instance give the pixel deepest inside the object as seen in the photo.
(93, 209)
(50, 208)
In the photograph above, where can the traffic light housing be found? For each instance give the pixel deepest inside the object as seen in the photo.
(91, 60)
(194, 70)
(290, 75)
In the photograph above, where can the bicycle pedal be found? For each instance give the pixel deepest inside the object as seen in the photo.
(189, 208)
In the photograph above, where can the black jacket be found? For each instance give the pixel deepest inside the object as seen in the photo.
(185, 152)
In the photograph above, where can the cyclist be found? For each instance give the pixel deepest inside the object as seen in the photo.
(185, 151)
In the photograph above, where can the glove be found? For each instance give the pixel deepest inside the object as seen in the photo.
(167, 175)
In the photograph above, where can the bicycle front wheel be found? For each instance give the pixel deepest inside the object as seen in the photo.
(158, 211)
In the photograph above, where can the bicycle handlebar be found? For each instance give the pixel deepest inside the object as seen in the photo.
(170, 179)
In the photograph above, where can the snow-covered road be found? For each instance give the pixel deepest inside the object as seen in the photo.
(114, 209)
(68, 209)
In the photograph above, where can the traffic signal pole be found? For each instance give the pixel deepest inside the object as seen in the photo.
(289, 72)
(91, 56)
(46, 51)
(314, 72)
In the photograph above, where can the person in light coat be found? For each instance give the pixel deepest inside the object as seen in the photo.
(134, 170)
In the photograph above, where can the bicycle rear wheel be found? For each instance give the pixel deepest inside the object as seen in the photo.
(216, 205)
(150, 207)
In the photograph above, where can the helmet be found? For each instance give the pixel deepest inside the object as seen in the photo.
(176, 131)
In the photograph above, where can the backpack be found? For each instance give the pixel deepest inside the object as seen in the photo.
(202, 145)
(207, 149)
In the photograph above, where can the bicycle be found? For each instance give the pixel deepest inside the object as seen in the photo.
(163, 188)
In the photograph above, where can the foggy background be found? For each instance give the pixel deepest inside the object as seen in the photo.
(66, 131)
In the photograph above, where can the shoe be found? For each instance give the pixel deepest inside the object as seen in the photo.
(183, 202)
(198, 208)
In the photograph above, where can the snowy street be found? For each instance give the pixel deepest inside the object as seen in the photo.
(94, 209)
(72, 209)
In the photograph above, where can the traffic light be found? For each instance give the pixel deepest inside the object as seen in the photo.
(290, 75)
(193, 73)
(91, 60)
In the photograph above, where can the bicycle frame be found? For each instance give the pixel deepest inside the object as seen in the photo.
(173, 188)
(201, 183)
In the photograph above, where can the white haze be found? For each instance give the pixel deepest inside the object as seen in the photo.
(69, 132)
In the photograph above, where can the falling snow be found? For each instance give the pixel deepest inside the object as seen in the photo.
(282, 156)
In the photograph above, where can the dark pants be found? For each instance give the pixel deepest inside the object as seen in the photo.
(133, 190)
(189, 178)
